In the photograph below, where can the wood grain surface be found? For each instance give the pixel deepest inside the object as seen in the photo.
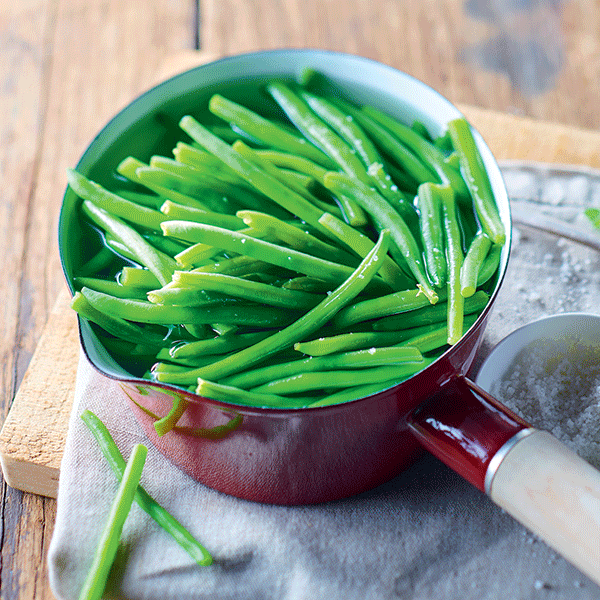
(67, 66)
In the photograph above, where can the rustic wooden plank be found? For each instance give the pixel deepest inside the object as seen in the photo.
(537, 59)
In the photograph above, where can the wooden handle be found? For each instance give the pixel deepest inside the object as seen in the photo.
(556, 494)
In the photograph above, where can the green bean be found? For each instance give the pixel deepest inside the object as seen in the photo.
(358, 242)
(402, 156)
(245, 289)
(292, 161)
(165, 424)
(430, 314)
(114, 325)
(490, 264)
(175, 211)
(308, 284)
(469, 272)
(359, 391)
(437, 338)
(218, 197)
(222, 344)
(165, 245)
(162, 314)
(173, 293)
(136, 277)
(265, 130)
(128, 168)
(390, 304)
(299, 239)
(454, 258)
(320, 134)
(143, 499)
(426, 151)
(95, 581)
(477, 180)
(99, 261)
(309, 322)
(110, 287)
(388, 217)
(205, 161)
(360, 359)
(432, 231)
(240, 243)
(346, 126)
(355, 340)
(226, 393)
(262, 181)
(161, 265)
(114, 204)
(150, 200)
(237, 266)
(318, 380)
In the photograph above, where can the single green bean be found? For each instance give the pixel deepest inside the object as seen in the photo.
(116, 205)
(128, 168)
(226, 393)
(432, 231)
(222, 344)
(161, 265)
(162, 314)
(454, 258)
(296, 238)
(490, 264)
(111, 287)
(469, 272)
(174, 211)
(95, 581)
(437, 338)
(388, 217)
(318, 380)
(99, 261)
(477, 180)
(265, 130)
(308, 323)
(240, 243)
(143, 499)
(136, 277)
(359, 359)
(254, 291)
(390, 304)
(115, 325)
(430, 314)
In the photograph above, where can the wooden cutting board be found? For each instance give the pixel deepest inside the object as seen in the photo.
(33, 436)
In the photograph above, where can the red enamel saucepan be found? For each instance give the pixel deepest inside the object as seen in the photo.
(314, 455)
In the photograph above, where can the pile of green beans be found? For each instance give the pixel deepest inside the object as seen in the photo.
(293, 261)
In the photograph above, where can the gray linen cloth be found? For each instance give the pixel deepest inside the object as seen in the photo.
(425, 534)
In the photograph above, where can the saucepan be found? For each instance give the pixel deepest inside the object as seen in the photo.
(310, 455)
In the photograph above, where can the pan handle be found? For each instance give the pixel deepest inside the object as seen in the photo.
(527, 472)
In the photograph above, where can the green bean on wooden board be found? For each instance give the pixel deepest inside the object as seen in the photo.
(142, 498)
(106, 550)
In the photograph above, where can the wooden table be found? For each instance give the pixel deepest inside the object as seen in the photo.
(67, 66)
